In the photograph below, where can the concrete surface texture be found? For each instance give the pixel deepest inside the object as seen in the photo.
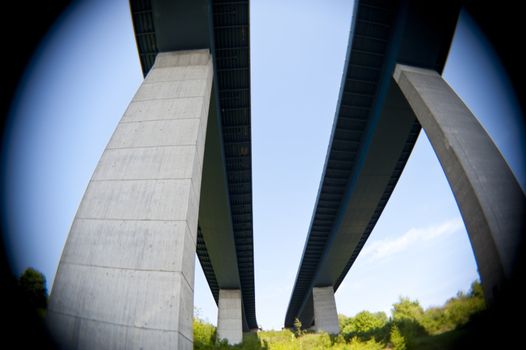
(126, 276)
(229, 322)
(325, 314)
(490, 199)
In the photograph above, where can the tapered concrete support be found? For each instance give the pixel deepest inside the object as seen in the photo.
(126, 276)
(229, 316)
(490, 199)
(325, 314)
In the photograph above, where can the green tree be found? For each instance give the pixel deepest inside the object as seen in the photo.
(298, 331)
(435, 320)
(458, 310)
(476, 290)
(366, 325)
(407, 309)
(32, 284)
(397, 339)
(343, 321)
(204, 334)
(408, 317)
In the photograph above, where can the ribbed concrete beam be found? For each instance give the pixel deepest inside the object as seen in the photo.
(490, 199)
(126, 276)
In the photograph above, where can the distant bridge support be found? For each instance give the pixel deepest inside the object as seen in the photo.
(126, 275)
(229, 316)
(325, 314)
(490, 199)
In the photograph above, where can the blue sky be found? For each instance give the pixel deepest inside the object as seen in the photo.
(85, 73)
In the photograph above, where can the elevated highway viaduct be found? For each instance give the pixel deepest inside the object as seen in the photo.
(391, 88)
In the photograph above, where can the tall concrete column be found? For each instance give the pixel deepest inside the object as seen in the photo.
(490, 199)
(229, 316)
(325, 314)
(126, 276)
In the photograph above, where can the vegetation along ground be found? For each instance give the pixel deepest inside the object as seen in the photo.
(408, 327)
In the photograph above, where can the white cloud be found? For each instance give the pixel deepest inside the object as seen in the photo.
(383, 248)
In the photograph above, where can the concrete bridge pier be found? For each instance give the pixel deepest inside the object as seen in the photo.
(325, 314)
(488, 195)
(229, 316)
(126, 275)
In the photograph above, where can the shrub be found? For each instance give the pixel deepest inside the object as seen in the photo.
(343, 321)
(204, 335)
(397, 340)
(32, 284)
(357, 344)
(298, 328)
(366, 325)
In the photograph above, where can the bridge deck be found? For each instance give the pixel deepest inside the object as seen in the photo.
(357, 181)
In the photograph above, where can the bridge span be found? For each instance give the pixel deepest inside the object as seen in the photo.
(391, 88)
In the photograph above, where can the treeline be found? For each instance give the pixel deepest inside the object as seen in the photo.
(23, 311)
(408, 327)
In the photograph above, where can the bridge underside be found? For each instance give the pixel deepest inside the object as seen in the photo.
(378, 120)
(373, 134)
